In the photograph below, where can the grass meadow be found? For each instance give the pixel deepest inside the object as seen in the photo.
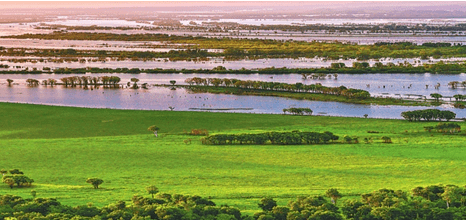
(60, 147)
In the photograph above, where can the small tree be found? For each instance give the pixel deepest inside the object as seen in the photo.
(154, 129)
(152, 190)
(173, 82)
(135, 81)
(33, 193)
(334, 195)
(9, 81)
(386, 139)
(95, 182)
(347, 138)
(436, 96)
(267, 204)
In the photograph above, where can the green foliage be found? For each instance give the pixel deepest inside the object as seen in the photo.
(276, 86)
(152, 190)
(428, 114)
(240, 173)
(153, 128)
(279, 138)
(94, 182)
(386, 139)
(333, 194)
(436, 96)
(19, 179)
(239, 48)
(298, 111)
(16, 177)
(267, 204)
(451, 127)
(33, 193)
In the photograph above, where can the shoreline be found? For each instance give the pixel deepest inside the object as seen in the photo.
(205, 111)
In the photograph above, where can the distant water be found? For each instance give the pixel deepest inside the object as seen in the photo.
(157, 98)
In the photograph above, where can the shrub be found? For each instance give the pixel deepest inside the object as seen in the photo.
(386, 139)
(199, 132)
(452, 127)
(459, 105)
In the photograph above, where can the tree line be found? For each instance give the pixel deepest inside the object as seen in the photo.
(74, 81)
(278, 138)
(421, 203)
(428, 115)
(277, 86)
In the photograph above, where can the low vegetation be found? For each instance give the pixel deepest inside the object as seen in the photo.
(240, 48)
(278, 138)
(116, 147)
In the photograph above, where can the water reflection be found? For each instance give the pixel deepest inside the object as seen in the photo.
(157, 98)
(393, 85)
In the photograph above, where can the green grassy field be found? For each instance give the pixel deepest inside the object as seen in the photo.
(60, 147)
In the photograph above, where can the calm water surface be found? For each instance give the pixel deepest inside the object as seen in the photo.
(376, 84)
(156, 98)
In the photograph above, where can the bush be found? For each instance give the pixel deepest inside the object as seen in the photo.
(452, 127)
(459, 105)
(199, 132)
(386, 139)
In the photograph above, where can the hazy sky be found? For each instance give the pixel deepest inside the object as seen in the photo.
(101, 4)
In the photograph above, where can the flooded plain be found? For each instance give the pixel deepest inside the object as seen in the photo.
(158, 98)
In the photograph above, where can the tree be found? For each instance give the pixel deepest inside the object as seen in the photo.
(334, 195)
(451, 194)
(436, 96)
(152, 190)
(95, 182)
(347, 138)
(154, 129)
(458, 97)
(267, 204)
(9, 81)
(135, 80)
(173, 82)
(19, 179)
